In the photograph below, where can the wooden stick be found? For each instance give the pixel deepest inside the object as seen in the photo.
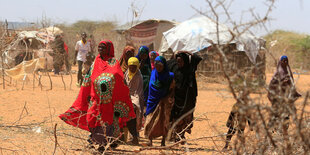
(266, 128)
(40, 84)
(34, 78)
(62, 79)
(24, 79)
(50, 79)
(21, 114)
(3, 72)
(70, 80)
(56, 142)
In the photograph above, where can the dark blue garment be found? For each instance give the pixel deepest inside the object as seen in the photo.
(145, 70)
(159, 86)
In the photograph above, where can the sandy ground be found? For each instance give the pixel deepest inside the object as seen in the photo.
(28, 118)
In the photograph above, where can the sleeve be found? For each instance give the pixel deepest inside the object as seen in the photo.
(195, 60)
(140, 91)
(77, 46)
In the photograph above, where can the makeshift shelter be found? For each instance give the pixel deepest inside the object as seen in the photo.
(148, 32)
(201, 33)
(27, 45)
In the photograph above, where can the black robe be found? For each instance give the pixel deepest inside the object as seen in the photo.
(185, 84)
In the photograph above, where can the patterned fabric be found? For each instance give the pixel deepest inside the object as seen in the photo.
(121, 108)
(87, 81)
(104, 84)
(97, 103)
(112, 61)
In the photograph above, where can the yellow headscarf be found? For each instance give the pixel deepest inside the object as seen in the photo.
(133, 61)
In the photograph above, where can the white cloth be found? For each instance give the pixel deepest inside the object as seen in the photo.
(199, 33)
(82, 49)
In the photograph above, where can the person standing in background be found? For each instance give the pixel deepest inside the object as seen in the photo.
(128, 52)
(67, 64)
(145, 69)
(58, 53)
(82, 47)
(153, 55)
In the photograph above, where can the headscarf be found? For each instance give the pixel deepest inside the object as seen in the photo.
(110, 49)
(159, 85)
(133, 61)
(143, 50)
(123, 58)
(283, 72)
(183, 74)
(102, 97)
(153, 63)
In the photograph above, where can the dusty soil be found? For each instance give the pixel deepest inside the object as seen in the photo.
(28, 118)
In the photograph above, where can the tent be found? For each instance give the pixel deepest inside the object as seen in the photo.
(201, 32)
(148, 32)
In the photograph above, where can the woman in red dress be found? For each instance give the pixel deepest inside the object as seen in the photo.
(103, 104)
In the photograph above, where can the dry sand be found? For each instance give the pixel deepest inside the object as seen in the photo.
(28, 117)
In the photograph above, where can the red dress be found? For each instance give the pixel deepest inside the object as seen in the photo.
(102, 95)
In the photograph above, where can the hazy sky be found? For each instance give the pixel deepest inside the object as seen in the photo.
(290, 15)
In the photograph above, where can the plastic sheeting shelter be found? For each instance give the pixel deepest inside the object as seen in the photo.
(201, 32)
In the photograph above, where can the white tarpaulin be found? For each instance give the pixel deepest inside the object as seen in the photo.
(30, 35)
(198, 33)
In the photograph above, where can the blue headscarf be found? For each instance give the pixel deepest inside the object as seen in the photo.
(158, 86)
(143, 50)
(283, 57)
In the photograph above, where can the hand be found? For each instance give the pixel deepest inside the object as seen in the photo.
(170, 99)
(186, 52)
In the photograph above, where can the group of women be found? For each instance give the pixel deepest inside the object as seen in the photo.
(144, 91)
(118, 95)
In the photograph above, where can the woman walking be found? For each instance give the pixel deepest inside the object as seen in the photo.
(103, 103)
(160, 101)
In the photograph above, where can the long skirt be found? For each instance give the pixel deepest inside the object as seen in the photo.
(157, 123)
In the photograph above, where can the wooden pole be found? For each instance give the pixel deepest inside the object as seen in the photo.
(34, 78)
(3, 80)
(62, 79)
